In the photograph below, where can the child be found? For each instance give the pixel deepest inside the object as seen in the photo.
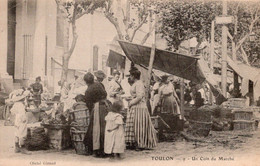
(20, 122)
(114, 132)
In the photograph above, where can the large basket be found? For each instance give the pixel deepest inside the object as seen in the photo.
(198, 128)
(80, 116)
(201, 115)
(77, 139)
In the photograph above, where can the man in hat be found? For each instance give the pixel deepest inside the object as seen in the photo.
(115, 89)
(37, 90)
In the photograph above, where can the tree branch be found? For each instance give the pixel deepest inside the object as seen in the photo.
(138, 27)
(147, 35)
(113, 20)
(244, 56)
(86, 11)
(75, 36)
(247, 35)
(62, 10)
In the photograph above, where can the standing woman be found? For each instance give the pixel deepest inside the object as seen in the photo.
(169, 98)
(37, 90)
(155, 98)
(139, 131)
(95, 97)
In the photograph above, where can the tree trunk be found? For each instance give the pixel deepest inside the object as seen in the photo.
(66, 56)
(65, 69)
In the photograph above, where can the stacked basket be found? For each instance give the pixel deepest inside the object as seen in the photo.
(79, 127)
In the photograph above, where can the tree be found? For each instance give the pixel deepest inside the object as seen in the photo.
(183, 20)
(71, 11)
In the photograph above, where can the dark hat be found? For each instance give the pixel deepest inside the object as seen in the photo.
(133, 68)
(100, 74)
(164, 78)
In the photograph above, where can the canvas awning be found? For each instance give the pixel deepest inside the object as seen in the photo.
(115, 59)
(170, 62)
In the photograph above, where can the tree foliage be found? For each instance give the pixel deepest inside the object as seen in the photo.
(184, 20)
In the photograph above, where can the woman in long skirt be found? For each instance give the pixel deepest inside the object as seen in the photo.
(95, 97)
(139, 131)
(169, 98)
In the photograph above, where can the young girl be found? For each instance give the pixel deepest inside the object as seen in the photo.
(20, 122)
(114, 132)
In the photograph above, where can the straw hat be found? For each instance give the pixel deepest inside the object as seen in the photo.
(19, 97)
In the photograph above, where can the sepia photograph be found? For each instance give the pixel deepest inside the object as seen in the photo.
(129, 82)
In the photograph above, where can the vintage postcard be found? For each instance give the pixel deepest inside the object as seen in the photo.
(129, 82)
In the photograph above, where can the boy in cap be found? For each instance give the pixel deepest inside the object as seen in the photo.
(115, 89)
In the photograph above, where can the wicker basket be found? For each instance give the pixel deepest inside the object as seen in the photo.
(77, 139)
(59, 136)
(80, 116)
(200, 128)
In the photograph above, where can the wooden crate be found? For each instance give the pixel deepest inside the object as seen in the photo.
(244, 124)
(59, 138)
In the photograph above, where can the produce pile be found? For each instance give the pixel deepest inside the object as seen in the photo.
(55, 117)
(59, 119)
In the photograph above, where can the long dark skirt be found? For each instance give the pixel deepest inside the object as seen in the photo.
(88, 141)
(37, 100)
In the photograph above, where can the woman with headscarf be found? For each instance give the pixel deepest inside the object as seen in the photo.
(95, 97)
(37, 90)
(139, 131)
